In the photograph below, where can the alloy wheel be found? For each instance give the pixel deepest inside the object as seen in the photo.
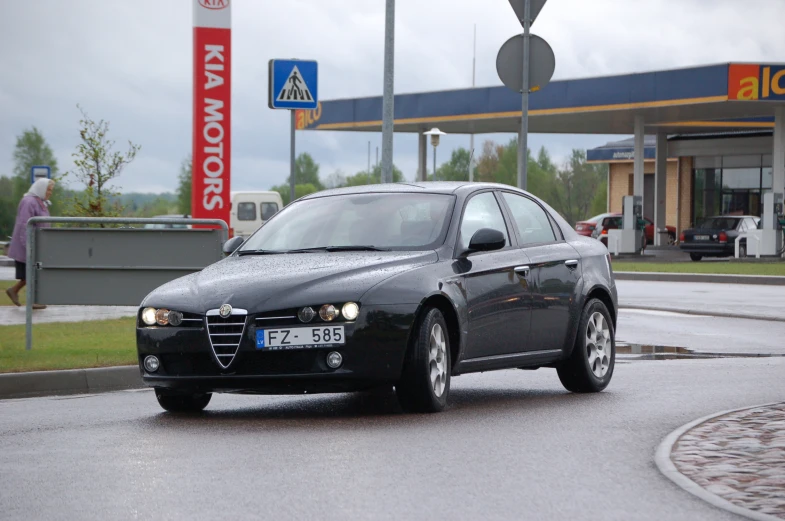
(598, 344)
(437, 360)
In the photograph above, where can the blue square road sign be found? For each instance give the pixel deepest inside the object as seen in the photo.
(294, 84)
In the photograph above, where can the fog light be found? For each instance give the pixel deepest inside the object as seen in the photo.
(162, 317)
(148, 316)
(334, 359)
(328, 312)
(151, 364)
(306, 314)
(350, 310)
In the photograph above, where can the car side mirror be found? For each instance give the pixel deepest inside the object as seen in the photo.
(487, 239)
(232, 244)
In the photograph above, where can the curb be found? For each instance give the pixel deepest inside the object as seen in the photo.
(70, 381)
(765, 280)
(663, 460)
(718, 314)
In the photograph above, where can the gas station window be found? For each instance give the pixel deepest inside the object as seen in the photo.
(768, 177)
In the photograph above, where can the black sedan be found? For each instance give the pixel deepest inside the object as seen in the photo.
(403, 286)
(716, 236)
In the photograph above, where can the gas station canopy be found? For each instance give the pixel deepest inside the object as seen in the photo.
(697, 99)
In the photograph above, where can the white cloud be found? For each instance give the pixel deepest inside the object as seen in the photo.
(130, 63)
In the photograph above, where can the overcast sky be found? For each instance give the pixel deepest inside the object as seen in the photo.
(130, 62)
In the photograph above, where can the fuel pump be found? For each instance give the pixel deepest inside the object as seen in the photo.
(773, 223)
(632, 224)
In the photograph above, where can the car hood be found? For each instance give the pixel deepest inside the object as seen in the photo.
(271, 282)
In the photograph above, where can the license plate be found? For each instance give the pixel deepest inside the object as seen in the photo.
(701, 237)
(299, 338)
(579, 228)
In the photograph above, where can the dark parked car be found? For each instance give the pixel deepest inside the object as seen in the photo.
(403, 285)
(716, 236)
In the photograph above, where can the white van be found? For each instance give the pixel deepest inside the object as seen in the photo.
(250, 210)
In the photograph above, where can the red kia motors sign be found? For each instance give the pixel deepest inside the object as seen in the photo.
(211, 186)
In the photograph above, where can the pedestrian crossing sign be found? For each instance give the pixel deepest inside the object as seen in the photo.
(293, 84)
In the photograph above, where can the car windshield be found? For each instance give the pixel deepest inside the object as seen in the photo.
(387, 221)
(719, 223)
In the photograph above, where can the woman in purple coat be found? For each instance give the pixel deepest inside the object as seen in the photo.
(35, 203)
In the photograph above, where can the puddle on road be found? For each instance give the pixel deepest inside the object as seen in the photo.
(625, 351)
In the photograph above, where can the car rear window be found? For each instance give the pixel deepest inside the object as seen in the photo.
(719, 223)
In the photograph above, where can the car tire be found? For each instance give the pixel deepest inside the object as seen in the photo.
(425, 379)
(696, 257)
(590, 366)
(671, 239)
(174, 402)
(742, 250)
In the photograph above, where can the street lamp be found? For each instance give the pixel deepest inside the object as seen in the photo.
(435, 134)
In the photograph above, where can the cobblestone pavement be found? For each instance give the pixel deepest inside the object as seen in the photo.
(739, 457)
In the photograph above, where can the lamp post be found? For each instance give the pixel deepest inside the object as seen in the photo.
(435, 134)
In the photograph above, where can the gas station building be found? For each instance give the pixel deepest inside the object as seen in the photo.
(706, 140)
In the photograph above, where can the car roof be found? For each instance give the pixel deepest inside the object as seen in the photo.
(441, 187)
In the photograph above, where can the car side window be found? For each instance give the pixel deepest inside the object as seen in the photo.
(246, 212)
(533, 223)
(482, 211)
(268, 210)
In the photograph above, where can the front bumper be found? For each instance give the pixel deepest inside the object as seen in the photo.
(372, 354)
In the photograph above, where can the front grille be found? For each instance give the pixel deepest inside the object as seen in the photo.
(225, 334)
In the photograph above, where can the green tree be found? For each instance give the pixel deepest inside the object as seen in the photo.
(456, 169)
(600, 202)
(299, 191)
(499, 164)
(32, 150)
(577, 186)
(96, 166)
(306, 171)
(8, 206)
(184, 180)
(374, 177)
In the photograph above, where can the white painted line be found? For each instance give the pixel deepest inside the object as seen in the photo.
(663, 460)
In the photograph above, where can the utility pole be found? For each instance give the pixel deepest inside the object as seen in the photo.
(388, 100)
(523, 139)
(471, 138)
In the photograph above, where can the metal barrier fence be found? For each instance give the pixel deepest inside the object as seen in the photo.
(112, 266)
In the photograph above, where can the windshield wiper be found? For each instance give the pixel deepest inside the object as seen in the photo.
(259, 252)
(337, 249)
(355, 248)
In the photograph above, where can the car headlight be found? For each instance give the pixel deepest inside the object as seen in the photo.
(350, 311)
(328, 313)
(148, 316)
(162, 317)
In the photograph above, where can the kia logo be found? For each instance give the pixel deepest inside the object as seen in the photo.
(214, 4)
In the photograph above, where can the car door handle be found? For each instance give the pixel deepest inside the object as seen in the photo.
(522, 270)
(572, 263)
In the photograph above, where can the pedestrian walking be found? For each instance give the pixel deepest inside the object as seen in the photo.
(35, 203)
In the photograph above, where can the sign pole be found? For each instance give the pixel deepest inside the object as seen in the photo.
(292, 180)
(523, 145)
(388, 101)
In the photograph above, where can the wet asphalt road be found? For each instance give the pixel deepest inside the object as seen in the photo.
(751, 300)
(512, 445)
(703, 334)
